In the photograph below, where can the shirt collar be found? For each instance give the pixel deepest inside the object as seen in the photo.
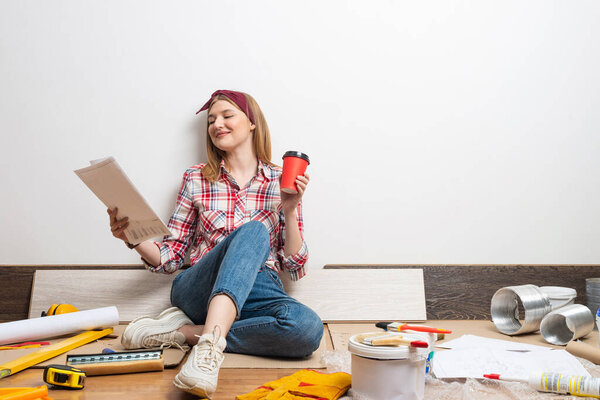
(223, 166)
(268, 172)
(263, 169)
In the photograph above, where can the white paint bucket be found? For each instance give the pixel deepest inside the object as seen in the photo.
(559, 296)
(388, 372)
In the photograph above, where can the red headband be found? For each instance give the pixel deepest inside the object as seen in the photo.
(238, 98)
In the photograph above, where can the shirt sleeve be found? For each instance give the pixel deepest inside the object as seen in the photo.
(182, 225)
(294, 263)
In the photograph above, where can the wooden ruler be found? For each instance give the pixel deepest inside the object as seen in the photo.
(50, 351)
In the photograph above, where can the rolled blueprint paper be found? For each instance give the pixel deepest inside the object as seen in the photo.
(57, 325)
(584, 350)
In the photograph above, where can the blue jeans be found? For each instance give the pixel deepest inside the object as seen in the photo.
(269, 322)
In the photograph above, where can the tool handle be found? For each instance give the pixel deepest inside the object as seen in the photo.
(422, 329)
(398, 326)
(398, 341)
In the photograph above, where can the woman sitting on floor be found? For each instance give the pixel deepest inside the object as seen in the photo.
(242, 231)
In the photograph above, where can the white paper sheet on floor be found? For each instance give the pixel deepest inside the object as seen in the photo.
(476, 360)
(471, 341)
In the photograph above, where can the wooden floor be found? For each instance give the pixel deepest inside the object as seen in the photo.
(155, 385)
(150, 385)
(233, 382)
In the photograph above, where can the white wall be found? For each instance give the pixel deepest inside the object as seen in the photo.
(439, 132)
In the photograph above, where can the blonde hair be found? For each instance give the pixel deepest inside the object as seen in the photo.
(261, 139)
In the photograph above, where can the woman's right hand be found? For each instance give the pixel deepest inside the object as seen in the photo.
(118, 226)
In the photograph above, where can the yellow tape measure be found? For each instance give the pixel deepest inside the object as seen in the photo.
(64, 376)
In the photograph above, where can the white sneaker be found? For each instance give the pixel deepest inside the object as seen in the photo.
(200, 373)
(148, 332)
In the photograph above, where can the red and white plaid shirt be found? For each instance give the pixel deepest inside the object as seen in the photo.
(207, 212)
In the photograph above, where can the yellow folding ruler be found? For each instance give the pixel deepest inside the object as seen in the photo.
(50, 351)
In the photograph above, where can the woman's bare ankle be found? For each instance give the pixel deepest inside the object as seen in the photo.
(190, 332)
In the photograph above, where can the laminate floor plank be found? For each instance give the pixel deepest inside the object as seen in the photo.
(335, 295)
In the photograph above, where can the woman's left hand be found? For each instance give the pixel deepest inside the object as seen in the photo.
(289, 202)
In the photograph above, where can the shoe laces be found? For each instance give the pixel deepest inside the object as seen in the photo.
(208, 354)
(164, 340)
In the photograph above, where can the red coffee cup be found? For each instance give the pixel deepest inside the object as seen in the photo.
(294, 164)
